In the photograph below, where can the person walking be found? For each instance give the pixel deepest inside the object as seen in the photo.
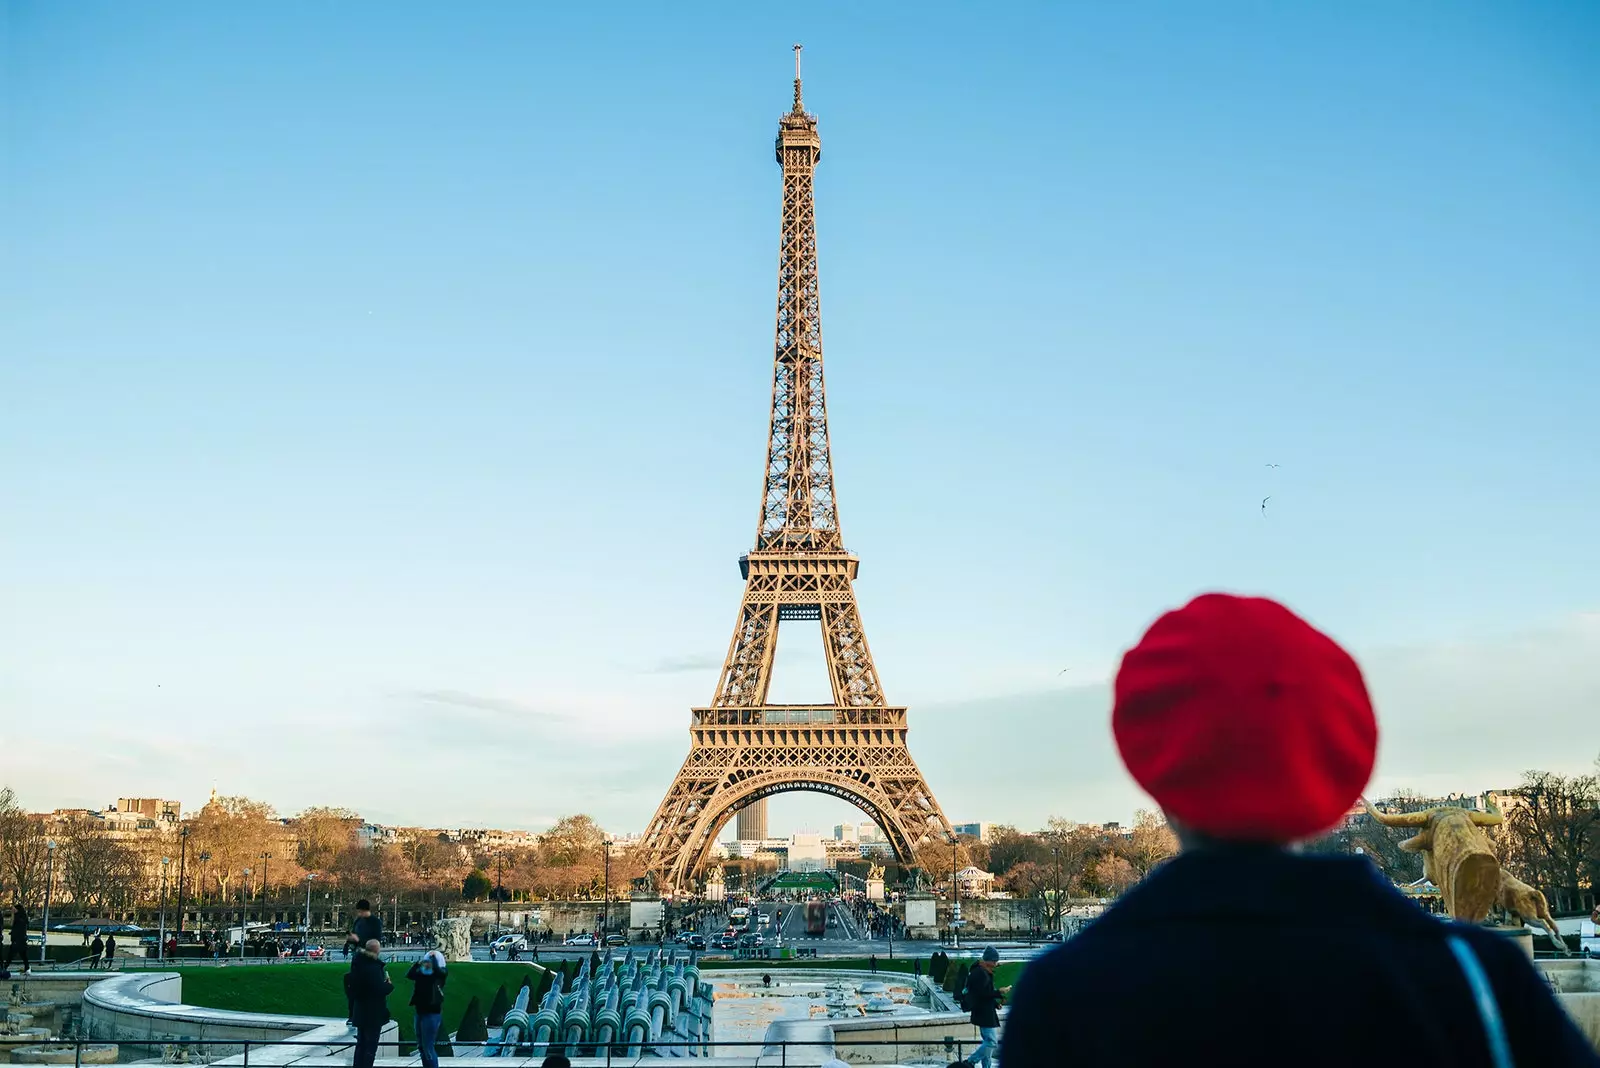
(368, 985)
(1254, 731)
(18, 949)
(983, 1002)
(96, 949)
(427, 998)
(111, 948)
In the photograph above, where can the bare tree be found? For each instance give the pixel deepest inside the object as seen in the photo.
(22, 850)
(235, 831)
(323, 833)
(1553, 834)
(1113, 875)
(1151, 842)
(97, 870)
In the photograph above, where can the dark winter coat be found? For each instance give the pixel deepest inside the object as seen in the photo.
(982, 998)
(367, 928)
(19, 926)
(427, 991)
(368, 986)
(1259, 957)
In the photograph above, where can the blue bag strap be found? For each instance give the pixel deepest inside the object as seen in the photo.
(1494, 1027)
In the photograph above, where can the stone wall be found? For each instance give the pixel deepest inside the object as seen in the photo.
(144, 1010)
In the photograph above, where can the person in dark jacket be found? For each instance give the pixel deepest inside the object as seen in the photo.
(1254, 731)
(367, 928)
(427, 998)
(111, 949)
(18, 950)
(368, 985)
(96, 949)
(983, 1001)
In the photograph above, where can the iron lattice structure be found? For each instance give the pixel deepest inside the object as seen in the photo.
(744, 749)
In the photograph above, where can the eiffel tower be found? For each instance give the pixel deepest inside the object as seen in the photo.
(743, 749)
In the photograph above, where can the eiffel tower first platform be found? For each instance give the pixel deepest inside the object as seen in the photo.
(743, 749)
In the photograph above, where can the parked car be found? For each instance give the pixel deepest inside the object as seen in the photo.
(509, 941)
(579, 940)
(1588, 939)
(304, 953)
(616, 940)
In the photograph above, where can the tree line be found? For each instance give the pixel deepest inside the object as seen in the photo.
(238, 849)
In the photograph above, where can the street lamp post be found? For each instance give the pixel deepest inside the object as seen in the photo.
(955, 898)
(309, 877)
(266, 858)
(243, 883)
(1055, 904)
(183, 855)
(499, 889)
(49, 881)
(605, 907)
(161, 945)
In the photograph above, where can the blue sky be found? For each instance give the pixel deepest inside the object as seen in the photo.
(388, 381)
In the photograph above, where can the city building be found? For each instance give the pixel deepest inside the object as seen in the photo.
(750, 825)
(834, 850)
(152, 808)
(983, 832)
(807, 853)
(846, 832)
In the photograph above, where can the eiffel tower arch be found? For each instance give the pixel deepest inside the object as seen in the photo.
(742, 748)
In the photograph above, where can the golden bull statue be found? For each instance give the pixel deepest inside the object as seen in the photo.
(1458, 859)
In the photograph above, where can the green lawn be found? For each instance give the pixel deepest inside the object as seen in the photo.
(312, 989)
(796, 880)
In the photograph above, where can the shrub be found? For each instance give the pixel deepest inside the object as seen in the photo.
(473, 1028)
(499, 1007)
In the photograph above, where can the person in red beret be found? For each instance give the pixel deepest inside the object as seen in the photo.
(1254, 731)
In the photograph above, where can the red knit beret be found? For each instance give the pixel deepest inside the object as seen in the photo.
(1243, 721)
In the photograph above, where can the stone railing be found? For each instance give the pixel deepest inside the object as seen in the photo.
(144, 1009)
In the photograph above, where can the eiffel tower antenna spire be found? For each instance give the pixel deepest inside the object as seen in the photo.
(798, 108)
(743, 748)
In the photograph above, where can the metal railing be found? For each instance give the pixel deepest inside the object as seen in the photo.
(949, 1047)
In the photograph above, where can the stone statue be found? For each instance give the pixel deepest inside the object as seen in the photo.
(455, 937)
(1529, 906)
(1458, 859)
(875, 871)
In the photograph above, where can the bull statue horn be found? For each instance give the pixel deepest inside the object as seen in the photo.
(1401, 819)
(1485, 819)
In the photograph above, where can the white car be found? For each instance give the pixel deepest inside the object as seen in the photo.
(507, 942)
(579, 940)
(1588, 939)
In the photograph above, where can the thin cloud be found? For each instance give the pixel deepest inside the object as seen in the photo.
(505, 706)
(681, 665)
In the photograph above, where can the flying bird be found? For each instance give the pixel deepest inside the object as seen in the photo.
(1063, 671)
(1264, 501)
(1274, 465)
